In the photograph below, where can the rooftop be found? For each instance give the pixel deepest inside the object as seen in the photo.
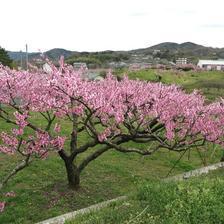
(211, 62)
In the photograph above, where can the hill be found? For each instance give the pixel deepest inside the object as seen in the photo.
(17, 55)
(56, 53)
(191, 50)
(167, 51)
(53, 54)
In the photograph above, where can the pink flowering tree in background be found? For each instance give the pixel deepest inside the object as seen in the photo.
(111, 113)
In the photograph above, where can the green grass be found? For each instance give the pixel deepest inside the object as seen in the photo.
(42, 192)
(195, 201)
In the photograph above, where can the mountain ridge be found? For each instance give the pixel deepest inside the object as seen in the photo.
(185, 49)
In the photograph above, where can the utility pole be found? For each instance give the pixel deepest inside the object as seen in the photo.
(21, 59)
(26, 57)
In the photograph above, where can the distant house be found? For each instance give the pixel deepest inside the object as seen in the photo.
(80, 65)
(156, 51)
(211, 64)
(181, 61)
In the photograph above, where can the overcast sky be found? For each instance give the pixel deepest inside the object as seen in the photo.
(95, 25)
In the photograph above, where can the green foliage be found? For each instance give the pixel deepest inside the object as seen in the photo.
(166, 54)
(4, 58)
(209, 83)
(197, 201)
(87, 60)
(97, 58)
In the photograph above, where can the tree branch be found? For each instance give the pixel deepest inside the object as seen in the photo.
(92, 157)
(63, 154)
(132, 150)
(18, 168)
(83, 148)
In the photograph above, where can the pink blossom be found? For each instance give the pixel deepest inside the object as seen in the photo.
(103, 135)
(21, 119)
(10, 194)
(58, 142)
(2, 206)
(57, 128)
(112, 103)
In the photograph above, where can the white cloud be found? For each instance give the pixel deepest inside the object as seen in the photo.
(91, 25)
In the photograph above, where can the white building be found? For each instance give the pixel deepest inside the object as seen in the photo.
(211, 64)
(181, 61)
(156, 51)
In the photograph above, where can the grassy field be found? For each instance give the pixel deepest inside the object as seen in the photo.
(210, 83)
(41, 190)
(193, 201)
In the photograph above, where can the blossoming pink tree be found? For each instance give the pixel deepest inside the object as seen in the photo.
(110, 112)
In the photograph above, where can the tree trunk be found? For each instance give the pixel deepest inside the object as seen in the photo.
(222, 159)
(73, 174)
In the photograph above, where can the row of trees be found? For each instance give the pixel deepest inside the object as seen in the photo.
(111, 113)
(97, 59)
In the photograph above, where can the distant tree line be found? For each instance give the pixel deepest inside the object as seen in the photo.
(98, 58)
(4, 58)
